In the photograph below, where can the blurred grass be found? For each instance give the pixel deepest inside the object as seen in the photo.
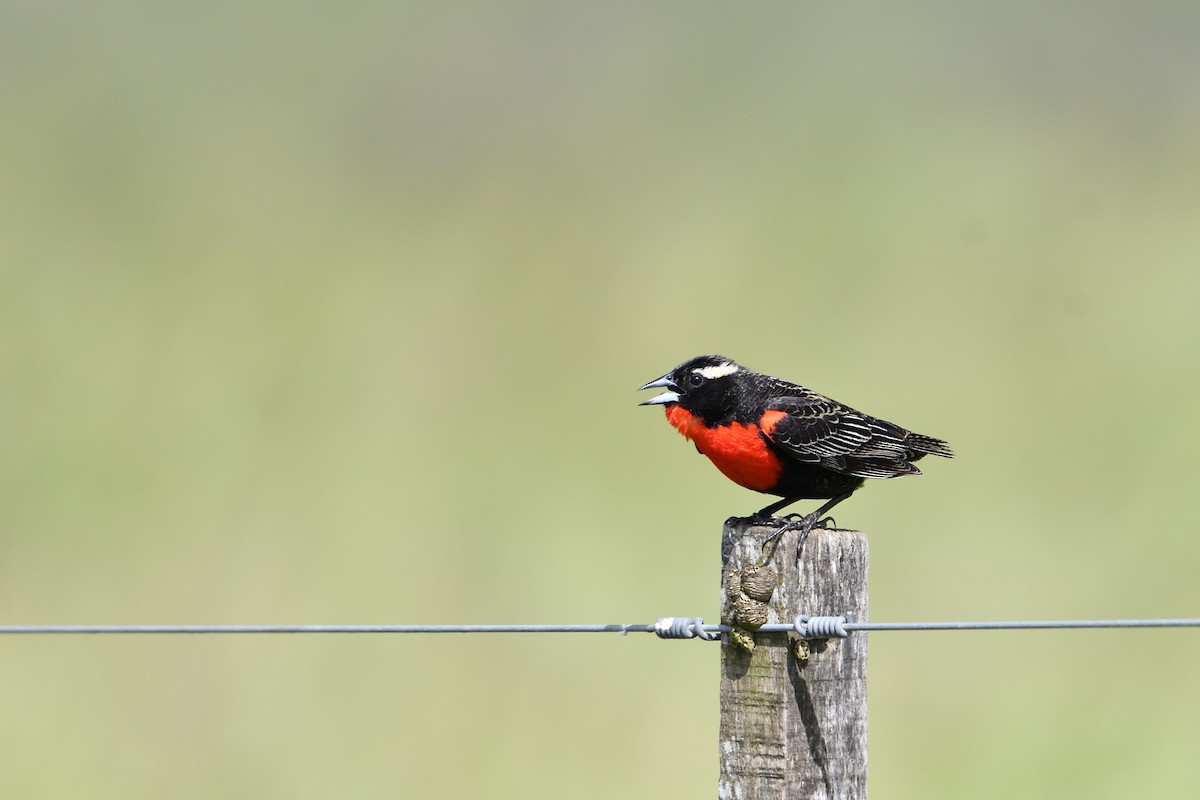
(317, 315)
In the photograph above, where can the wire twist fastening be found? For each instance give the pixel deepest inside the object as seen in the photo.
(683, 628)
(821, 627)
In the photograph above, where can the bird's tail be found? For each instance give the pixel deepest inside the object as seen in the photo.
(917, 443)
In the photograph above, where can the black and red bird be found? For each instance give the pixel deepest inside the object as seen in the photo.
(781, 438)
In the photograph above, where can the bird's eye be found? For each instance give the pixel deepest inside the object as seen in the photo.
(695, 380)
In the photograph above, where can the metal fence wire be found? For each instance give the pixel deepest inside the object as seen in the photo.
(665, 627)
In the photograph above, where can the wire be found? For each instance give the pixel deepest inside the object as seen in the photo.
(108, 629)
(615, 628)
(1022, 625)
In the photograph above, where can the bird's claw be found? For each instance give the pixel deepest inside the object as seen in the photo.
(794, 522)
(790, 522)
(804, 523)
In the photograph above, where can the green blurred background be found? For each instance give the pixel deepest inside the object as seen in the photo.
(317, 313)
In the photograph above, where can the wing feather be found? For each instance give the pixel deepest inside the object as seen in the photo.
(818, 430)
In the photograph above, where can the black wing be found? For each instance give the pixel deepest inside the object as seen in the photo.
(818, 430)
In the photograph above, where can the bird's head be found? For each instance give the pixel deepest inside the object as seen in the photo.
(707, 386)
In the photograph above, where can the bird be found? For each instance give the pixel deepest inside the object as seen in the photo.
(783, 439)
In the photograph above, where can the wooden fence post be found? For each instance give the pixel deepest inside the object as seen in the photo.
(796, 727)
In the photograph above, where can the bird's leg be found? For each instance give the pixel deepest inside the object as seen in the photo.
(768, 513)
(804, 524)
(766, 516)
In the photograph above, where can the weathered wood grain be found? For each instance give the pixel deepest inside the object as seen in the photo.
(793, 728)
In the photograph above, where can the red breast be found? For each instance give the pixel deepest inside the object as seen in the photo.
(737, 449)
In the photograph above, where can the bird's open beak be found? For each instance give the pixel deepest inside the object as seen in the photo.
(671, 396)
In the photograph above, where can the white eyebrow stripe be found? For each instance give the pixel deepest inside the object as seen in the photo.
(717, 370)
